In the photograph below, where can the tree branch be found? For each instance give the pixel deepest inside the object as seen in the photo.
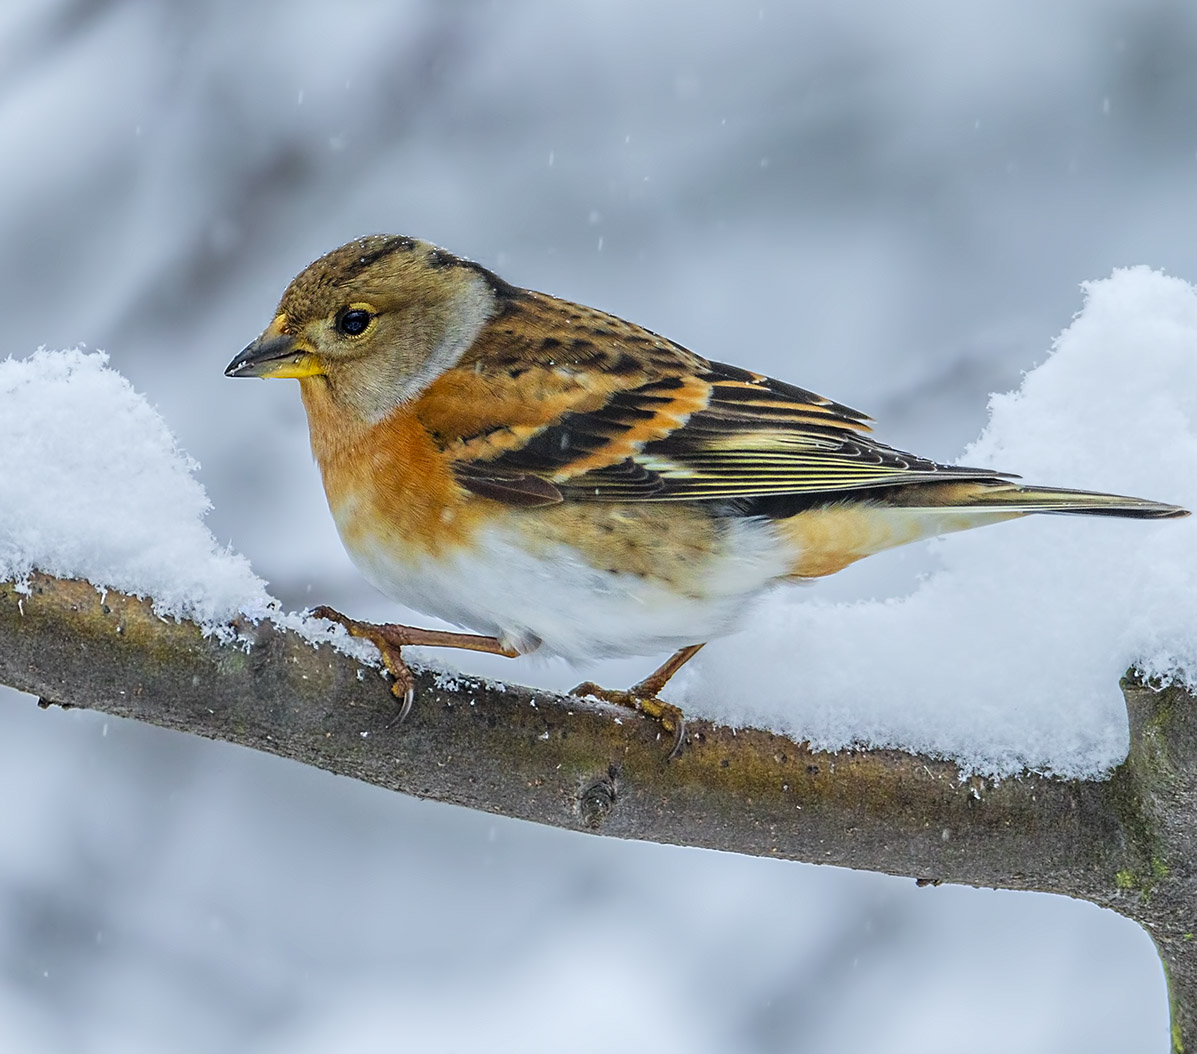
(1126, 842)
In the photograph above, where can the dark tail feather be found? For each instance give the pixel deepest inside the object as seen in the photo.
(1014, 499)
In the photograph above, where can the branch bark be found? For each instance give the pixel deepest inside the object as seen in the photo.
(1126, 842)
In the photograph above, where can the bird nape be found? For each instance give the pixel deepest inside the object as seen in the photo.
(558, 478)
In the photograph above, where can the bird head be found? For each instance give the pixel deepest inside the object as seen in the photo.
(373, 323)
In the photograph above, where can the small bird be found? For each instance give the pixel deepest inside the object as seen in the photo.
(561, 480)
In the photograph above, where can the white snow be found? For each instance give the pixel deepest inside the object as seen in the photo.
(94, 486)
(1008, 656)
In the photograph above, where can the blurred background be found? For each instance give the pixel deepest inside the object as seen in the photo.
(891, 204)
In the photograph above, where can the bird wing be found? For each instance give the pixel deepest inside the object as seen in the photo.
(582, 406)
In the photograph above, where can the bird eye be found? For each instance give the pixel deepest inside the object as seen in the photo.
(353, 321)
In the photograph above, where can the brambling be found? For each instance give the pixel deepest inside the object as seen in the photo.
(561, 480)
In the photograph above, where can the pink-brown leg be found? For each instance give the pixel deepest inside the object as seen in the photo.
(390, 637)
(643, 696)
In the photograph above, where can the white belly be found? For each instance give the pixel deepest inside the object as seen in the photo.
(553, 599)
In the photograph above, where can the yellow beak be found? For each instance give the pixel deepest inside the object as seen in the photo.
(275, 354)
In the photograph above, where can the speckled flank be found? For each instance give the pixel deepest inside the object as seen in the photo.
(673, 545)
(581, 581)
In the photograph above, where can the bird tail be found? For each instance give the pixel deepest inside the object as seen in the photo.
(1009, 499)
(829, 538)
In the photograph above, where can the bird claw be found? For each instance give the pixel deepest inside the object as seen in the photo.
(403, 689)
(668, 716)
(403, 683)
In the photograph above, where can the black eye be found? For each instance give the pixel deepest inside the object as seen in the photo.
(352, 321)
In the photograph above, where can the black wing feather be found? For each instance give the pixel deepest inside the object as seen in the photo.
(756, 438)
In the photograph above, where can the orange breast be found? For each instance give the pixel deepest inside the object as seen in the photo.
(390, 484)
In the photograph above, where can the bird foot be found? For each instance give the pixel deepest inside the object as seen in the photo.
(668, 716)
(388, 643)
(390, 637)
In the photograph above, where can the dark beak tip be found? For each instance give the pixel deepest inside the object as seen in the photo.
(255, 354)
(234, 368)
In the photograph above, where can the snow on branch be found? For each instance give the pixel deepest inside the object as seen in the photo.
(1125, 842)
(557, 760)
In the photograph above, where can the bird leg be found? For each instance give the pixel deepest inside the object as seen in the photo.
(389, 638)
(644, 696)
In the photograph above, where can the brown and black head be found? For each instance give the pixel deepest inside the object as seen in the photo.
(375, 321)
